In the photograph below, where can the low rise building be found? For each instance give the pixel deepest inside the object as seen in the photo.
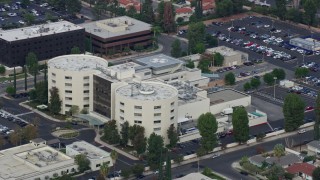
(309, 44)
(34, 160)
(314, 147)
(231, 57)
(184, 13)
(95, 155)
(194, 176)
(303, 170)
(115, 34)
(284, 161)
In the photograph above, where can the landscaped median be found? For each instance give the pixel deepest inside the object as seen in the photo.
(66, 133)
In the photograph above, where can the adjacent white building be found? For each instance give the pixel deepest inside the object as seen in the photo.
(95, 155)
(34, 161)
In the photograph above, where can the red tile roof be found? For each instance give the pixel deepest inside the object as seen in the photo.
(125, 2)
(183, 10)
(301, 167)
(207, 6)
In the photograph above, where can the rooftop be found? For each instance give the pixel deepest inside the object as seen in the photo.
(304, 168)
(147, 91)
(283, 161)
(225, 95)
(186, 92)
(308, 41)
(159, 61)
(78, 62)
(114, 27)
(23, 161)
(92, 152)
(183, 10)
(223, 50)
(315, 144)
(194, 176)
(38, 30)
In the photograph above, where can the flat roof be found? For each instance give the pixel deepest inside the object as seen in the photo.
(24, 160)
(78, 62)
(38, 30)
(159, 61)
(223, 50)
(91, 151)
(147, 91)
(308, 41)
(225, 95)
(114, 27)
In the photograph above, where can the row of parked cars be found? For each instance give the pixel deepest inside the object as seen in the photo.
(312, 66)
(13, 119)
(311, 80)
(303, 90)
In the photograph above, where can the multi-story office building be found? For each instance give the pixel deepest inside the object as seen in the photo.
(117, 33)
(46, 41)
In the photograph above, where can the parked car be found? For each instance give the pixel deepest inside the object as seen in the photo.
(215, 155)
(301, 131)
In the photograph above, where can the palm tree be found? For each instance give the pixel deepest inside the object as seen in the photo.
(157, 30)
(278, 151)
(114, 157)
(104, 170)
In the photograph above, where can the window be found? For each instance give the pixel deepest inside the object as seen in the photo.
(53, 74)
(68, 91)
(157, 107)
(172, 103)
(156, 129)
(122, 118)
(172, 118)
(137, 107)
(68, 84)
(157, 122)
(137, 122)
(147, 73)
(97, 165)
(68, 105)
(86, 106)
(68, 98)
(157, 114)
(86, 98)
(121, 103)
(68, 77)
(86, 84)
(172, 110)
(53, 81)
(137, 114)
(121, 110)
(86, 91)
(86, 78)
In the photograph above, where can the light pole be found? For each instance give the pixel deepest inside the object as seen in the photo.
(272, 23)
(274, 87)
(303, 58)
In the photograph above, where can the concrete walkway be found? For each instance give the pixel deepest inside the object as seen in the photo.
(98, 140)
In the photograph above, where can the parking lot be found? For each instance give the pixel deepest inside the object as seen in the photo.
(12, 14)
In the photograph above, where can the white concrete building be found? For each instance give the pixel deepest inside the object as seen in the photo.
(231, 57)
(34, 161)
(72, 75)
(95, 155)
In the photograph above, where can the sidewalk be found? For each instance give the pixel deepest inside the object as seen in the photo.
(39, 112)
(98, 140)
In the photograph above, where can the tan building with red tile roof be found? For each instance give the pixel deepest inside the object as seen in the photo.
(303, 170)
(184, 12)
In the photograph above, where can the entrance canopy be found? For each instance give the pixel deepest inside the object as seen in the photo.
(93, 121)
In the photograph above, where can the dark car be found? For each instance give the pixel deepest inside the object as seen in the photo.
(141, 176)
(244, 173)
(248, 63)
(179, 176)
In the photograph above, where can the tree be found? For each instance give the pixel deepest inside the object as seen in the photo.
(204, 65)
(169, 24)
(25, 78)
(279, 73)
(168, 168)
(208, 126)
(15, 138)
(2, 141)
(316, 174)
(29, 18)
(132, 11)
(211, 41)
(240, 123)
(98, 9)
(25, 3)
(176, 48)
(137, 169)
(73, 6)
(230, 79)
(14, 80)
(173, 136)
(30, 132)
(147, 14)
(196, 33)
(198, 9)
(104, 170)
(32, 64)
(83, 162)
(154, 150)
(114, 157)
(301, 72)
(237, 6)
(74, 110)
(310, 8)
(317, 120)
(246, 86)
(178, 159)
(124, 134)
(294, 15)
(218, 59)
(156, 32)
(55, 102)
(138, 140)
(10, 90)
(200, 48)
(255, 83)
(2, 69)
(268, 79)
(276, 172)
(293, 111)
(75, 50)
(279, 151)
(281, 8)
(160, 11)
(224, 8)
(41, 92)
(111, 134)
(190, 64)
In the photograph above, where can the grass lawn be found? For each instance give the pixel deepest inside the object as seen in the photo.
(34, 105)
(19, 76)
(214, 176)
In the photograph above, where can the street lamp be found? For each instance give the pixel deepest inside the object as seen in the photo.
(303, 58)
(274, 87)
(272, 23)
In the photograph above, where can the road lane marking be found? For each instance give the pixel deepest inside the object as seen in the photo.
(24, 113)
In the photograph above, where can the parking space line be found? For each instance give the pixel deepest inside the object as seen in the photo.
(24, 113)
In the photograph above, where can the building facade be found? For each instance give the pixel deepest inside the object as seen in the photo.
(73, 76)
(46, 41)
(112, 35)
(231, 57)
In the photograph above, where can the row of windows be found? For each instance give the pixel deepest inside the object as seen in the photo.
(85, 106)
(140, 107)
(139, 121)
(70, 98)
(69, 91)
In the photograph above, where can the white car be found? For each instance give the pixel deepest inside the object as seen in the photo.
(266, 25)
(301, 131)
(215, 155)
(12, 14)
(21, 22)
(44, 5)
